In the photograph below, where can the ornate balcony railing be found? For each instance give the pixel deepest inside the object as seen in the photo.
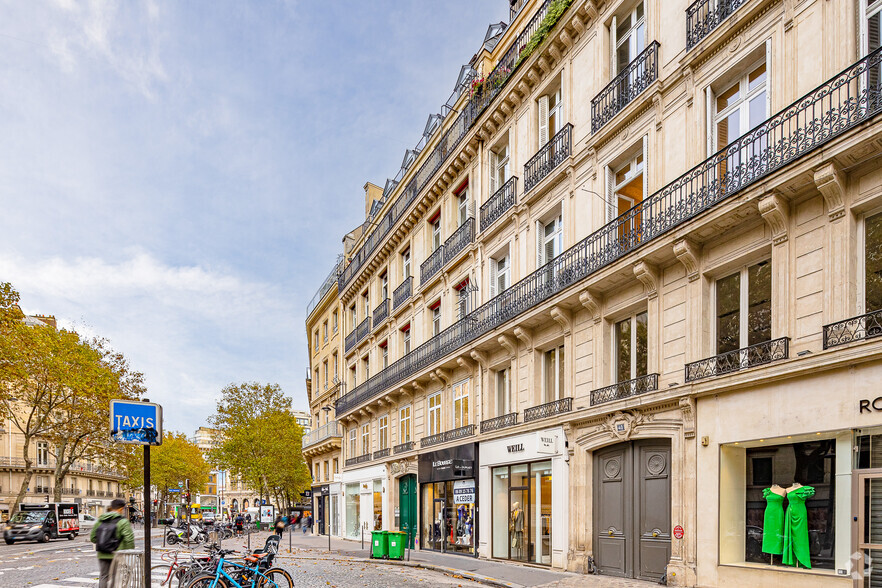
(459, 240)
(326, 285)
(381, 312)
(534, 413)
(703, 16)
(404, 447)
(71, 491)
(432, 265)
(42, 490)
(326, 431)
(550, 155)
(447, 144)
(500, 422)
(858, 328)
(350, 340)
(503, 199)
(635, 387)
(432, 440)
(358, 459)
(739, 359)
(402, 292)
(625, 87)
(381, 453)
(842, 103)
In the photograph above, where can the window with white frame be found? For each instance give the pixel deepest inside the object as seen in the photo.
(500, 170)
(550, 115)
(325, 372)
(436, 317)
(384, 286)
(353, 436)
(315, 340)
(628, 37)
(626, 188)
(744, 307)
(872, 298)
(383, 431)
(461, 393)
(435, 228)
(384, 353)
(366, 303)
(434, 404)
(42, 453)
(366, 439)
(404, 424)
(405, 340)
(336, 321)
(553, 387)
(738, 107)
(353, 317)
(325, 332)
(630, 340)
(550, 240)
(327, 470)
(405, 264)
(353, 379)
(462, 206)
(336, 366)
(336, 466)
(871, 24)
(503, 391)
(365, 368)
(500, 274)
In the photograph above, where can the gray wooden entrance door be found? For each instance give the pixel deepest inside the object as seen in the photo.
(632, 509)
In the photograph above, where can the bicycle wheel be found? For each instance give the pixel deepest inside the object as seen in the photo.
(160, 573)
(207, 581)
(275, 578)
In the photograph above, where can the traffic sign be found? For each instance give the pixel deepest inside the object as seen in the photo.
(174, 489)
(137, 423)
(180, 484)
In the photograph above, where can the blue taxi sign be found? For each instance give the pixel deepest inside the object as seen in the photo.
(136, 423)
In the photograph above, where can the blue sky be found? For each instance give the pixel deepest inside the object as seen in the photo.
(177, 176)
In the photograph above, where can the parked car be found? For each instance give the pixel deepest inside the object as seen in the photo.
(87, 521)
(42, 522)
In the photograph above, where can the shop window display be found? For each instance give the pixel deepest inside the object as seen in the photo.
(353, 506)
(790, 521)
(449, 516)
(522, 512)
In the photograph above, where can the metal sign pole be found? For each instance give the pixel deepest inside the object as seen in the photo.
(147, 513)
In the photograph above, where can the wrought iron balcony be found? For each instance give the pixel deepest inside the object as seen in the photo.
(432, 266)
(326, 431)
(350, 340)
(459, 240)
(381, 453)
(500, 422)
(357, 336)
(503, 199)
(432, 440)
(625, 87)
(849, 99)
(703, 16)
(404, 447)
(358, 459)
(635, 387)
(858, 328)
(739, 359)
(402, 293)
(381, 312)
(550, 155)
(483, 96)
(452, 435)
(534, 413)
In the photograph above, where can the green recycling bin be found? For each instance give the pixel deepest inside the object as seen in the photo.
(397, 543)
(379, 544)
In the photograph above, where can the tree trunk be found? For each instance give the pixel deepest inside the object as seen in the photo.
(28, 473)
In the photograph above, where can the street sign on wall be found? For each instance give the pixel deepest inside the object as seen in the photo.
(137, 423)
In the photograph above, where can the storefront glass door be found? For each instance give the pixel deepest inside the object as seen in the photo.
(870, 529)
(522, 512)
(449, 516)
(353, 518)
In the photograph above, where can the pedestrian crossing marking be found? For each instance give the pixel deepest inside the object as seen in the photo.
(87, 580)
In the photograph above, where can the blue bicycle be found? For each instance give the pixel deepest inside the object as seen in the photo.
(230, 574)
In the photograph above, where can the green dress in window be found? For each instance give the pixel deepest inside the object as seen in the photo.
(773, 523)
(796, 535)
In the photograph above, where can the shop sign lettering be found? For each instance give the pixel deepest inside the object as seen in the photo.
(874, 405)
(546, 443)
(463, 491)
(442, 463)
(516, 447)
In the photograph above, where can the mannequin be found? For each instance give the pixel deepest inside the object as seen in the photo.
(516, 527)
(796, 535)
(773, 522)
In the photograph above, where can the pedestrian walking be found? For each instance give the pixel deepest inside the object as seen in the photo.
(280, 525)
(112, 533)
(307, 523)
(240, 522)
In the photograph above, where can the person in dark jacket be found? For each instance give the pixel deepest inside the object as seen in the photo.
(124, 532)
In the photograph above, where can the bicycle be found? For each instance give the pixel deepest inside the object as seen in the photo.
(242, 575)
(178, 573)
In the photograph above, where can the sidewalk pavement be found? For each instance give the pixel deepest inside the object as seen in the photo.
(489, 572)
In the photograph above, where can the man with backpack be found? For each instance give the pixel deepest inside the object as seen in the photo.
(111, 533)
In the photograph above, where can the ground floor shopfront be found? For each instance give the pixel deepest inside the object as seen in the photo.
(365, 500)
(448, 500)
(524, 482)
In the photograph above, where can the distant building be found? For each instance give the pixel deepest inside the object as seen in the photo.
(303, 419)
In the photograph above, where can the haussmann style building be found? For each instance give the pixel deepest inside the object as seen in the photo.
(618, 312)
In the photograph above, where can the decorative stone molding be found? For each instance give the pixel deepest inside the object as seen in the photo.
(404, 395)
(830, 183)
(648, 274)
(416, 386)
(442, 375)
(500, 120)
(687, 252)
(774, 211)
(566, 39)
(479, 357)
(591, 302)
(622, 424)
(687, 406)
(576, 23)
(524, 336)
(562, 317)
(510, 345)
(465, 363)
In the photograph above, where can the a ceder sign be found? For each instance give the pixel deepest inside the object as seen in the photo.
(874, 405)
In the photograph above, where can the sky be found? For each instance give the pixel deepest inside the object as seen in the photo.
(177, 176)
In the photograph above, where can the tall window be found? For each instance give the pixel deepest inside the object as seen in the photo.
(325, 332)
(500, 275)
(738, 108)
(629, 37)
(436, 232)
(365, 368)
(499, 167)
(871, 24)
(384, 353)
(383, 431)
(336, 321)
(353, 435)
(626, 185)
(405, 264)
(404, 424)
(366, 303)
(405, 340)
(434, 402)
(462, 206)
(384, 287)
(550, 240)
(336, 466)
(327, 471)
(353, 317)
(744, 307)
(550, 115)
(316, 475)
(325, 372)
(461, 404)
(553, 374)
(336, 366)
(436, 318)
(365, 438)
(503, 391)
(873, 263)
(42, 453)
(631, 356)
(315, 340)
(352, 377)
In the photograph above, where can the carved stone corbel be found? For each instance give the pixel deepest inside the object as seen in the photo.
(566, 39)
(404, 395)
(774, 211)
(442, 375)
(830, 183)
(687, 252)
(417, 387)
(510, 345)
(479, 357)
(555, 53)
(648, 274)
(577, 24)
(591, 302)
(524, 336)
(515, 98)
(533, 76)
(500, 120)
(523, 88)
(687, 406)
(506, 109)
(470, 151)
(465, 363)
(543, 65)
(562, 317)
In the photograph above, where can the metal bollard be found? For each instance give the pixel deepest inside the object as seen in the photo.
(249, 538)
(127, 569)
(290, 531)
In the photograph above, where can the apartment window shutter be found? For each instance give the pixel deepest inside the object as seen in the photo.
(543, 120)
(494, 161)
(612, 47)
(494, 270)
(611, 204)
(645, 167)
(540, 251)
(471, 213)
(501, 284)
(711, 128)
(769, 77)
(549, 247)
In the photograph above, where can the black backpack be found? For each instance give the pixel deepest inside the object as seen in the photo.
(107, 539)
